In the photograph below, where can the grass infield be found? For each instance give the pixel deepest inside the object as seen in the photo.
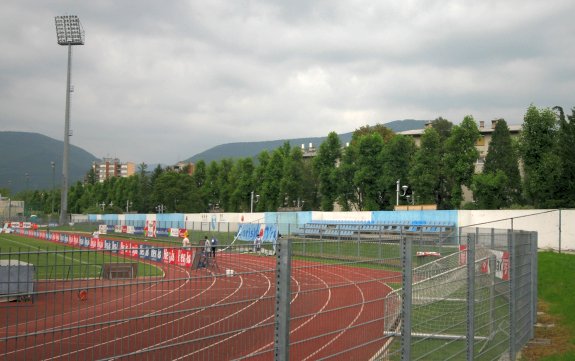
(60, 261)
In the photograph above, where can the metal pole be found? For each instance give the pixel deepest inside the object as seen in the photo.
(406, 300)
(512, 294)
(559, 230)
(252, 203)
(64, 196)
(283, 297)
(471, 240)
(397, 193)
(53, 184)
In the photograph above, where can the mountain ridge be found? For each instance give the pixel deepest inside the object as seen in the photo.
(28, 156)
(252, 149)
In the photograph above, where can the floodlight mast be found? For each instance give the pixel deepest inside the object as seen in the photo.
(69, 32)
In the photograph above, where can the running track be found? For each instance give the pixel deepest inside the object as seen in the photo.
(336, 313)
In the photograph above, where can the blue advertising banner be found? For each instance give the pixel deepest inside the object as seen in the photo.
(144, 251)
(165, 232)
(248, 231)
(115, 246)
(156, 254)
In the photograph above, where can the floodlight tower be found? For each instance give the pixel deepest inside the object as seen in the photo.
(69, 32)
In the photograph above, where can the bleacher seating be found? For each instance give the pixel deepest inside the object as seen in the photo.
(365, 229)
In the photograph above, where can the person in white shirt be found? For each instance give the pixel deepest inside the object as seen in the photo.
(257, 243)
(186, 241)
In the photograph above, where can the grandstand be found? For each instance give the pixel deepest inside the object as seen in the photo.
(438, 232)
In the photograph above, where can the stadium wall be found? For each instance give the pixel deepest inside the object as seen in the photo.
(555, 227)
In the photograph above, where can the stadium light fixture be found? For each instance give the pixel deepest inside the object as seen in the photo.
(252, 201)
(69, 32)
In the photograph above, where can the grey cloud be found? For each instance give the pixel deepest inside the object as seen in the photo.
(159, 82)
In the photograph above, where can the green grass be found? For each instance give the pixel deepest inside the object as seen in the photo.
(59, 261)
(556, 286)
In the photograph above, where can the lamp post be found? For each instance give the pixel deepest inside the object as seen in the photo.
(397, 193)
(409, 196)
(69, 32)
(257, 198)
(53, 165)
(27, 195)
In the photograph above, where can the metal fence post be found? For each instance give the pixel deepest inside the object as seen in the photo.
(406, 300)
(534, 284)
(471, 239)
(512, 293)
(282, 314)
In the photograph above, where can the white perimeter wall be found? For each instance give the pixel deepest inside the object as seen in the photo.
(555, 228)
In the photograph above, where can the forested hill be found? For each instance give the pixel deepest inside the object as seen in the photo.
(252, 149)
(26, 161)
(26, 157)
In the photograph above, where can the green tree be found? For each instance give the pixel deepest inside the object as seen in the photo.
(211, 190)
(396, 160)
(460, 157)
(489, 190)
(325, 164)
(348, 194)
(310, 194)
(538, 147)
(242, 185)
(292, 178)
(264, 159)
(425, 174)
(270, 196)
(369, 169)
(443, 127)
(501, 156)
(565, 188)
(224, 183)
(385, 133)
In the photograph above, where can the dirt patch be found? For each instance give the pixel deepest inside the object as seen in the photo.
(551, 338)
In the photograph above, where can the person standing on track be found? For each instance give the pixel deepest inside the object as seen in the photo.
(214, 246)
(257, 243)
(207, 246)
(186, 241)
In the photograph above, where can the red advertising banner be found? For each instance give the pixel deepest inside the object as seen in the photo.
(169, 256)
(124, 229)
(485, 266)
(150, 229)
(462, 254)
(134, 250)
(93, 243)
(502, 265)
(122, 248)
(74, 239)
(184, 258)
(99, 243)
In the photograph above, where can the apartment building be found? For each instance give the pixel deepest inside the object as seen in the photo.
(482, 145)
(112, 167)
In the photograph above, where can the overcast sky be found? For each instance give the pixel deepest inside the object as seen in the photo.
(160, 81)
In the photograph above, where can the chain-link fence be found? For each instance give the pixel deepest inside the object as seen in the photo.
(477, 304)
(374, 293)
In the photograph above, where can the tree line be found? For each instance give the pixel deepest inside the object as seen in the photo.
(533, 170)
